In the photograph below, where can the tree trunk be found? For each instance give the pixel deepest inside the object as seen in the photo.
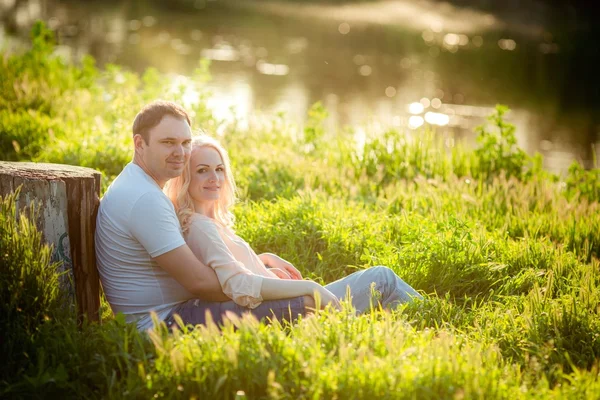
(68, 199)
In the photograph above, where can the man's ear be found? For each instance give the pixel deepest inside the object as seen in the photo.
(138, 142)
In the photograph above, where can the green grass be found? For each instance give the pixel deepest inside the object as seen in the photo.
(506, 253)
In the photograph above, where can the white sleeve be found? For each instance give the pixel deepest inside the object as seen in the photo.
(154, 224)
(237, 282)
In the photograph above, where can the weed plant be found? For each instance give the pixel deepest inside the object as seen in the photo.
(505, 253)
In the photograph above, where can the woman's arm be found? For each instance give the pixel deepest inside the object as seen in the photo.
(275, 289)
(241, 285)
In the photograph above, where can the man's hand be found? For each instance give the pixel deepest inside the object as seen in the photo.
(276, 262)
(281, 274)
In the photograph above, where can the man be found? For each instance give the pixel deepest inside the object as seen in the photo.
(143, 260)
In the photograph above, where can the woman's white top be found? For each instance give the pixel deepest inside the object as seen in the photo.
(238, 267)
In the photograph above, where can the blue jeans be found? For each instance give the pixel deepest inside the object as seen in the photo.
(367, 287)
(193, 312)
(372, 286)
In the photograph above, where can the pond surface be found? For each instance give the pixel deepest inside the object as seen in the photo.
(401, 64)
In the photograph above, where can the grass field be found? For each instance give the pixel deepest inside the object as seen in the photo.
(506, 254)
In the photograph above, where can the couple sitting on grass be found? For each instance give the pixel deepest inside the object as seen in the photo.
(165, 240)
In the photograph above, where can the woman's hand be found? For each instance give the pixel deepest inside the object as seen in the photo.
(276, 262)
(327, 298)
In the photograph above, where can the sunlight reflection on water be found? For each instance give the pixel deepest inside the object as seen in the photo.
(440, 76)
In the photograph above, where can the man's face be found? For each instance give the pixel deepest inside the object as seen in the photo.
(168, 149)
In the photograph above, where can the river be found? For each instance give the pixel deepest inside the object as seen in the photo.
(376, 65)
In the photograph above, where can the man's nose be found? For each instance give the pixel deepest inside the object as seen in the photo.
(180, 150)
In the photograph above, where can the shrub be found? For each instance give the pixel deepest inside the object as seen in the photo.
(23, 133)
(28, 285)
(582, 182)
(498, 151)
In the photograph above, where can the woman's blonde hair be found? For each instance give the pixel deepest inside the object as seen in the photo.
(177, 188)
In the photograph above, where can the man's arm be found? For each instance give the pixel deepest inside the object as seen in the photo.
(197, 278)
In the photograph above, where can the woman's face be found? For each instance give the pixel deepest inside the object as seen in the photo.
(207, 173)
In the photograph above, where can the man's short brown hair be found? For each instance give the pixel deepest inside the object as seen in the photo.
(153, 113)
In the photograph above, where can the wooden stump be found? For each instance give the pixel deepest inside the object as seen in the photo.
(68, 198)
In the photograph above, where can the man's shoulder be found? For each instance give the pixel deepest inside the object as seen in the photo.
(131, 176)
(129, 186)
(132, 190)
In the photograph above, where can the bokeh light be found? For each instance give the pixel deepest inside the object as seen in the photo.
(507, 44)
(365, 70)
(439, 119)
(415, 108)
(415, 121)
(344, 28)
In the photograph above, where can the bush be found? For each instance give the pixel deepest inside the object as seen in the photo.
(585, 183)
(498, 151)
(28, 285)
(24, 133)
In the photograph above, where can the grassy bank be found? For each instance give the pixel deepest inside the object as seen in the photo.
(506, 253)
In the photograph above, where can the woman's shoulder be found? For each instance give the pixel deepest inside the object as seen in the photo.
(201, 219)
(202, 222)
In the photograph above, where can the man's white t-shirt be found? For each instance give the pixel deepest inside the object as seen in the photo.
(137, 222)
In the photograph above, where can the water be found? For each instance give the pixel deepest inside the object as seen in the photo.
(400, 64)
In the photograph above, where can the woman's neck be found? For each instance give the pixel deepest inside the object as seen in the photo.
(205, 208)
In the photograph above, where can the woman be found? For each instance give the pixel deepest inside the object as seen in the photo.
(202, 197)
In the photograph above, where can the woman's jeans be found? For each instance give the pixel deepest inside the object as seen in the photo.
(372, 286)
(368, 288)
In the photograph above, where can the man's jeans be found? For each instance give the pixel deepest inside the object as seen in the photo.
(193, 312)
(367, 287)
